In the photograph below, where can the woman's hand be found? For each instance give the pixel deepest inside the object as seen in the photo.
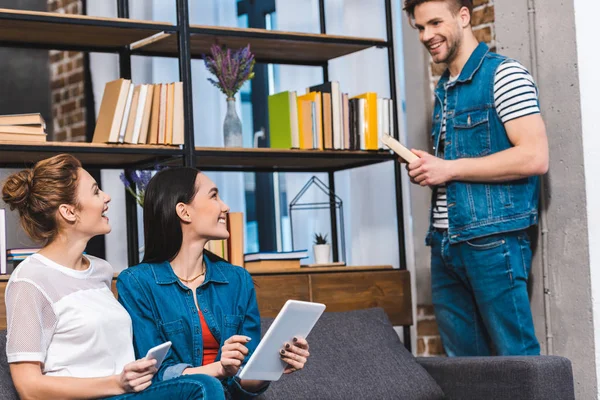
(295, 355)
(233, 353)
(137, 375)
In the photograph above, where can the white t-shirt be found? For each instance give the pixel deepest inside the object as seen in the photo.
(68, 320)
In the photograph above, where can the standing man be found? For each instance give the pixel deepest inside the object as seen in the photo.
(489, 145)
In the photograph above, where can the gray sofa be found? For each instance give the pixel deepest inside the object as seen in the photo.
(358, 355)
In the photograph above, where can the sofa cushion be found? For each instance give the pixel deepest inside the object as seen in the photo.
(6, 386)
(355, 355)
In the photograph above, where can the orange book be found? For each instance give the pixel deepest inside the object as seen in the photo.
(178, 122)
(162, 119)
(143, 139)
(154, 115)
(170, 108)
(318, 119)
(305, 121)
(370, 121)
(235, 243)
(108, 124)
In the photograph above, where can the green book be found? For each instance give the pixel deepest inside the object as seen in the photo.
(283, 121)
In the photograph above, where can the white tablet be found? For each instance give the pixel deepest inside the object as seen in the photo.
(296, 318)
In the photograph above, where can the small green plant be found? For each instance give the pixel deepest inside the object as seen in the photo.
(320, 239)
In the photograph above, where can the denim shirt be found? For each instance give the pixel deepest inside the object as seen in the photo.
(163, 309)
(474, 129)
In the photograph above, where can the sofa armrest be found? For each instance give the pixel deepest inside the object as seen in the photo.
(491, 378)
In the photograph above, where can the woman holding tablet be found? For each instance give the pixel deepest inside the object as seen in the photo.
(205, 306)
(68, 337)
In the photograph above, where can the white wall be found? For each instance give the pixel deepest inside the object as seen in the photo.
(588, 57)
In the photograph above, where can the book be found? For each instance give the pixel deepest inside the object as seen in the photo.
(23, 119)
(178, 121)
(22, 137)
(2, 241)
(283, 120)
(23, 129)
(272, 265)
(399, 149)
(333, 88)
(235, 243)
(370, 120)
(111, 111)
(282, 255)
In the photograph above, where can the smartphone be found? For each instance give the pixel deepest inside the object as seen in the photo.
(158, 353)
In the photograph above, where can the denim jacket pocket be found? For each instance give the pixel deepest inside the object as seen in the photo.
(472, 130)
(486, 242)
(171, 328)
(232, 324)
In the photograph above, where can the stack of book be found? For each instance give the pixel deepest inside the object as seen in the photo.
(274, 261)
(141, 114)
(326, 119)
(22, 128)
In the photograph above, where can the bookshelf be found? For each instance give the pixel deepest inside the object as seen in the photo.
(127, 37)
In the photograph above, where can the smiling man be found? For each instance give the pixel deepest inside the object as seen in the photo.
(489, 147)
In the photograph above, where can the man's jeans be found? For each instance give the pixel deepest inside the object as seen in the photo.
(186, 387)
(479, 290)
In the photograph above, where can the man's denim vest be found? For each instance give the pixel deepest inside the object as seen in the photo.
(474, 129)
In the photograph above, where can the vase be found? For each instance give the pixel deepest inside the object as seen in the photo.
(321, 252)
(232, 126)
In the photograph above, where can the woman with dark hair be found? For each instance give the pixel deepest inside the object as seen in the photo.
(68, 337)
(205, 306)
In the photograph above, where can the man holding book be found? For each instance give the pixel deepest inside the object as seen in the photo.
(490, 146)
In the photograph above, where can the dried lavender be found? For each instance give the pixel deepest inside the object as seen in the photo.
(140, 180)
(231, 69)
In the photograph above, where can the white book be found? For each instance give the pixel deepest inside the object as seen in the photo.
(391, 117)
(294, 120)
(2, 241)
(380, 119)
(362, 123)
(126, 114)
(137, 127)
(386, 123)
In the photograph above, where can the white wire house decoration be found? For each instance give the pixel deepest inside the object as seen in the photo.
(335, 205)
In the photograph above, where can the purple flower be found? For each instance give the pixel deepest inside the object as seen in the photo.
(231, 69)
(140, 180)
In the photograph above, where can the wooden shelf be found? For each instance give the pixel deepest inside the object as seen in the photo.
(97, 155)
(314, 270)
(268, 46)
(272, 160)
(73, 32)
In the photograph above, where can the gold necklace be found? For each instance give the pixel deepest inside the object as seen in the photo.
(194, 278)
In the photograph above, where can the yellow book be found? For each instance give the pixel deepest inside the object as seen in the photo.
(318, 119)
(305, 121)
(370, 132)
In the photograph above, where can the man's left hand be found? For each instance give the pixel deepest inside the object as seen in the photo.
(429, 170)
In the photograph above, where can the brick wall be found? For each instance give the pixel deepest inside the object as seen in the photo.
(67, 84)
(428, 338)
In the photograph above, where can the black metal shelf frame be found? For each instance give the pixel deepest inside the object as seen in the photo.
(187, 155)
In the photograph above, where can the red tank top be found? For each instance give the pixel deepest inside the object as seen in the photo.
(211, 346)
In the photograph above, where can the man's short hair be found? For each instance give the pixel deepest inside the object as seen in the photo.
(409, 5)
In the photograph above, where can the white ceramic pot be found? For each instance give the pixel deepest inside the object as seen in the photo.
(321, 252)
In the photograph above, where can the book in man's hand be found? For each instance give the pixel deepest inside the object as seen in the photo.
(399, 149)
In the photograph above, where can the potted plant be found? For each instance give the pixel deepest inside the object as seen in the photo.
(321, 249)
(232, 69)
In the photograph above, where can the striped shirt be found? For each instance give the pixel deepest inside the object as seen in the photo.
(515, 96)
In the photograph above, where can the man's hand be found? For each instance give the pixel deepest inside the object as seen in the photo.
(429, 170)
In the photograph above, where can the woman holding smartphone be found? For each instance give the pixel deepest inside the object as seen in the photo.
(205, 306)
(68, 337)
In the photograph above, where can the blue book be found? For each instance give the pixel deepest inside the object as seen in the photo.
(282, 255)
